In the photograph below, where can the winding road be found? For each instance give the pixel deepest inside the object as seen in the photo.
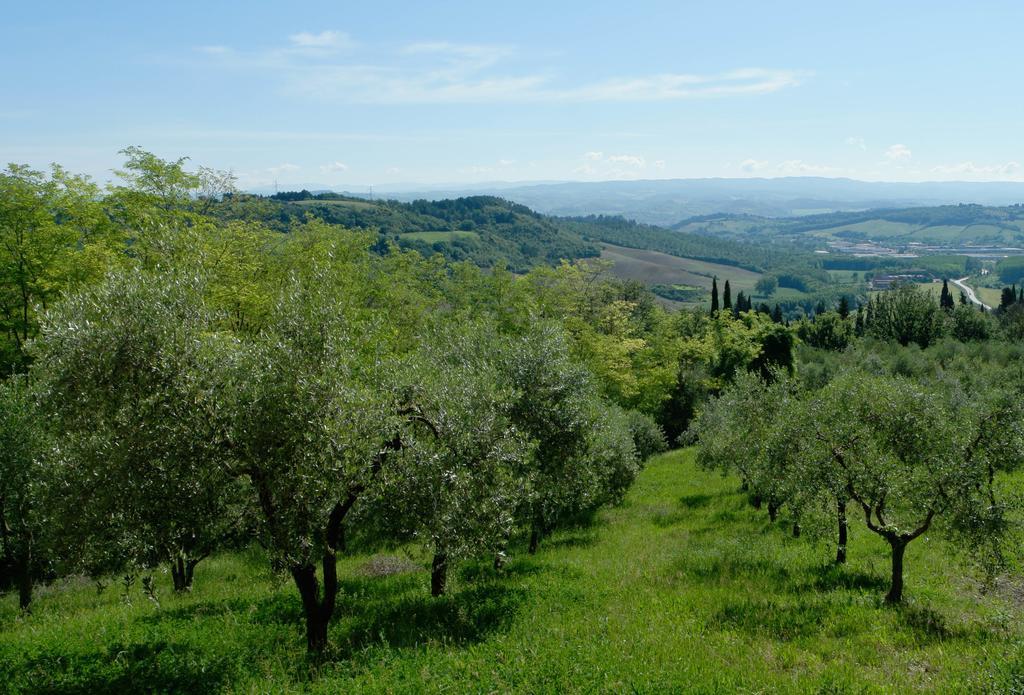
(966, 289)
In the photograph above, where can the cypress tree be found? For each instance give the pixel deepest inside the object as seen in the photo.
(1009, 296)
(945, 297)
(727, 296)
(714, 295)
(777, 314)
(844, 306)
(963, 298)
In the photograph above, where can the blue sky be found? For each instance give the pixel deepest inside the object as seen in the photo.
(349, 94)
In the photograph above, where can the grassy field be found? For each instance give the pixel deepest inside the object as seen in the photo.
(683, 588)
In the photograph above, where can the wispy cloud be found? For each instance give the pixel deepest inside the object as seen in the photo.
(632, 160)
(857, 142)
(334, 167)
(898, 153)
(752, 166)
(324, 39)
(325, 66)
(599, 166)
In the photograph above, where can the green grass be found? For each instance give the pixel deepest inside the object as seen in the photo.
(684, 588)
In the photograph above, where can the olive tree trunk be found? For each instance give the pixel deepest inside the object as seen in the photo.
(182, 572)
(899, 547)
(438, 574)
(843, 530)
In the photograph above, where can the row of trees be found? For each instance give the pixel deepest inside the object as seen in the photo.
(158, 425)
(908, 456)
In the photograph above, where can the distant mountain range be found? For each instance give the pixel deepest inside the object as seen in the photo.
(668, 201)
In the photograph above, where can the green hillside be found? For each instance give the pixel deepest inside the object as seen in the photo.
(942, 225)
(683, 588)
(484, 230)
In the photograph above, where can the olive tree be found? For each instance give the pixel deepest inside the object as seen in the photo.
(745, 431)
(139, 475)
(459, 483)
(553, 405)
(909, 455)
(313, 415)
(906, 314)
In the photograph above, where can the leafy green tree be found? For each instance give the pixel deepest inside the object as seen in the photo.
(906, 314)
(766, 285)
(1007, 298)
(844, 307)
(969, 325)
(140, 474)
(53, 236)
(738, 432)
(459, 486)
(558, 407)
(907, 456)
(828, 331)
(22, 490)
(648, 436)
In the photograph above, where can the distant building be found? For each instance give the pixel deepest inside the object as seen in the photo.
(886, 282)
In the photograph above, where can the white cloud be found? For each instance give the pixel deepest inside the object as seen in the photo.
(632, 160)
(751, 166)
(594, 156)
(674, 86)
(445, 72)
(859, 143)
(325, 39)
(659, 163)
(334, 167)
(898, 153)
(506, 162)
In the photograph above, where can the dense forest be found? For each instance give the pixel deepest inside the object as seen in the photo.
(194, 374)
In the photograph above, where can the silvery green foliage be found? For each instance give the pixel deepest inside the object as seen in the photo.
(910, 457)
(138, 470)
(307, 405)
(648, 437)
(582, 451)
(463, 473)
(902, 451)
(611, 455)
(748, 430)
